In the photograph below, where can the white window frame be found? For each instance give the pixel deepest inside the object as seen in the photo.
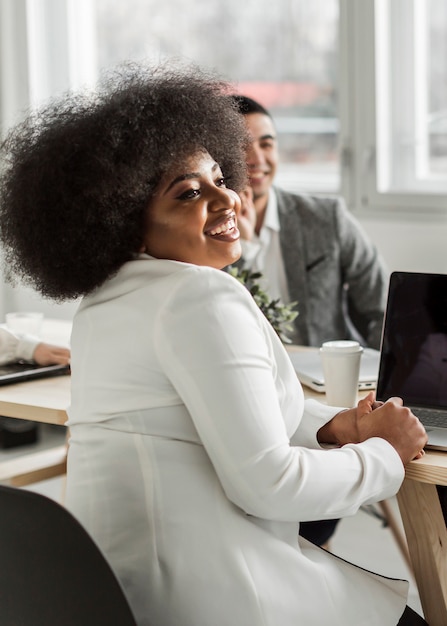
(47, 47)
(358, 115)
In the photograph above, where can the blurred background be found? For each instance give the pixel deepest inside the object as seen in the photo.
(358, 91)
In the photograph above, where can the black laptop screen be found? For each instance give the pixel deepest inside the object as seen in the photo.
(413, 362)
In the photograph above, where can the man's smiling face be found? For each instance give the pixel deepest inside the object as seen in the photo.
(262, 154)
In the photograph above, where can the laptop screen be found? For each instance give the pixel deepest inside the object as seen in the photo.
(413, 362)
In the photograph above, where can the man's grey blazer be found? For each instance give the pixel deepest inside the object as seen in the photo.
(333, 270)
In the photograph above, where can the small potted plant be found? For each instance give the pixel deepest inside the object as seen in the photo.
(278, 314)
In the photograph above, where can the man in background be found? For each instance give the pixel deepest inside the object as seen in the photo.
(309, 249)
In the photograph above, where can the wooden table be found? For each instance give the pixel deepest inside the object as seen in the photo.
(426, 532)
(44, 400)
(47, 400)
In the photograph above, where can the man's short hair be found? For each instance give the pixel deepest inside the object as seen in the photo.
(246, 105)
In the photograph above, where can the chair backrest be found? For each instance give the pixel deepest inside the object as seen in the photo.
(51, 570)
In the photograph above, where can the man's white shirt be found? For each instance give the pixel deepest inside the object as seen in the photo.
(263, 253)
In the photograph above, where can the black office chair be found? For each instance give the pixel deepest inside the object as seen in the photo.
(52, 573)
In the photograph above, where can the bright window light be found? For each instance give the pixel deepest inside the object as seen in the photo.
(411, 93)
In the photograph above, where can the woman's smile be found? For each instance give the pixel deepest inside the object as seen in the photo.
(225, 230)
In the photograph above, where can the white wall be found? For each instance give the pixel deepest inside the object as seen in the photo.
(410, 243)
(24, 299)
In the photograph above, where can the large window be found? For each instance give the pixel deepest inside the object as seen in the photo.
(411, 54)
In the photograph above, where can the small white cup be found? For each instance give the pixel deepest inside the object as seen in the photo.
(24, 323)
(341, 368)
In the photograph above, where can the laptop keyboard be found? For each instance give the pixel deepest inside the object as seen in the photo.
(13, 368)
(432, 417)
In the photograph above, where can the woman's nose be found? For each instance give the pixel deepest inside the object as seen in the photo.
(225, 198)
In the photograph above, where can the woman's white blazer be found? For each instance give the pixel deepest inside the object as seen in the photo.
(193, 457)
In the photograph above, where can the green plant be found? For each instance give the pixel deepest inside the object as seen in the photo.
(278, 314)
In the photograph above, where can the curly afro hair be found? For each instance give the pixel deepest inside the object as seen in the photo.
(79, 174)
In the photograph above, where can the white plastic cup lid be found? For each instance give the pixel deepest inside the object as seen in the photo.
(341, 345)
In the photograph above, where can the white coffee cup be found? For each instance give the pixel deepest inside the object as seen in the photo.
(24, 323)
(341, 368)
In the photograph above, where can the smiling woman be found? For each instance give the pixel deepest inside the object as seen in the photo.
(193, 456)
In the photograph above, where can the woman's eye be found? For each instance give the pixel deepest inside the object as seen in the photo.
(189, 194)
(221, 182)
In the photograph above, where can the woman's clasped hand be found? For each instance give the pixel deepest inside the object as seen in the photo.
(389, 420)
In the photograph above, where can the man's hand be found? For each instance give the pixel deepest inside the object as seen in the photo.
(246, 220)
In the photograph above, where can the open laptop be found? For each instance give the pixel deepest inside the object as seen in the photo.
(309, 369)
(413, 363)
(22, 372)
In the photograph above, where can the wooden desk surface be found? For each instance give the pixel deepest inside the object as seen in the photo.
(44, 400)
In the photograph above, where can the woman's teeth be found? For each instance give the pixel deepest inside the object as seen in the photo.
(223, 228)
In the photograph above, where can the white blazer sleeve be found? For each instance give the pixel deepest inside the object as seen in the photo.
(15, 348)
(215, 346)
